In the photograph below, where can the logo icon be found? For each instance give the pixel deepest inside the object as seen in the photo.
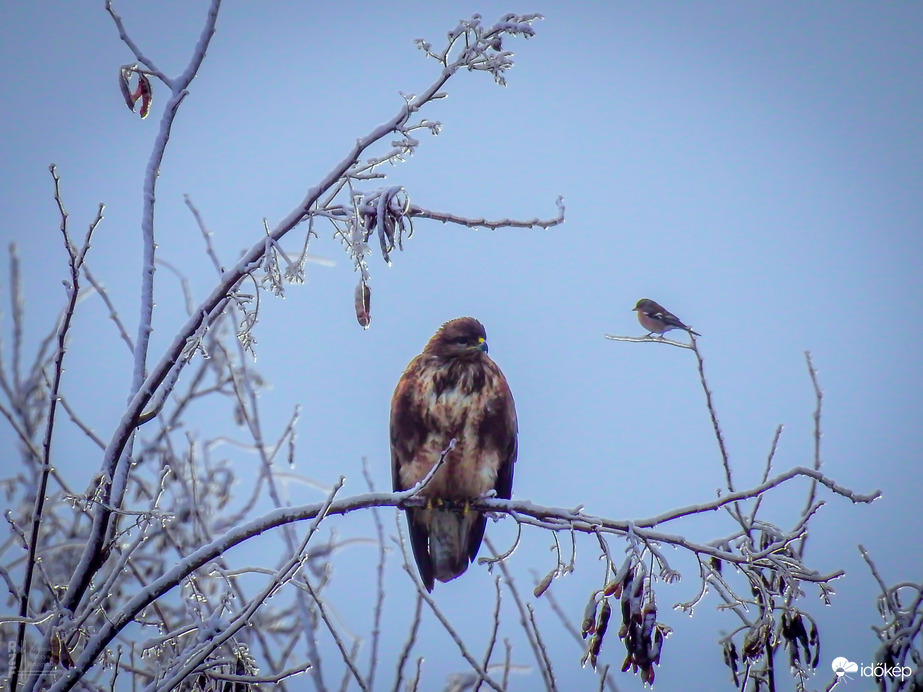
(842, 665)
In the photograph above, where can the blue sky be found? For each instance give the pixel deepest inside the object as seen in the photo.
(755, 168)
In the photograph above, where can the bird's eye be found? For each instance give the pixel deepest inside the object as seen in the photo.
(462, 341)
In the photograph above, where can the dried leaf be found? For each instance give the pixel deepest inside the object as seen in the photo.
(124, 77)
(146, 93)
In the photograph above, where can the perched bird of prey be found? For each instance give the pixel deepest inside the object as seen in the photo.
(452, 390)
(655, 318)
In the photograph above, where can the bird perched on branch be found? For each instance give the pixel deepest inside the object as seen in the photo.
(452, 390)
(656, 319)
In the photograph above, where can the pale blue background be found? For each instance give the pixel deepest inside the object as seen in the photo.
(754, 167)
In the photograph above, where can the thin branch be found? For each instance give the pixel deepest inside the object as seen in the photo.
(772, 453)
(725, 458)
(546, 659)
(139, 56)
(818, 402)
(493, 633)
(421, 590)
(648, 340)
(347, 657)
(756, 491)
(115, 464)
(524, 620)
(409, 644)
(113, 313)
(206, 235)
(446, 217)
(283, 575)
(73, 289)
(380, 578)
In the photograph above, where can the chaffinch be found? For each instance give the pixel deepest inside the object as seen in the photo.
(656, 319)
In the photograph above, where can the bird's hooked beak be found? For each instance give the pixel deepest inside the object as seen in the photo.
(481, 344)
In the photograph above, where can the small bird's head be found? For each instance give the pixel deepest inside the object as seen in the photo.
(464, 337)
(646, 305)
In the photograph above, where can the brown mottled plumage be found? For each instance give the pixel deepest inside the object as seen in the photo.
(452, 389)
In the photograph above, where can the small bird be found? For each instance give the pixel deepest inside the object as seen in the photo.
(656, 319)
(453, 390)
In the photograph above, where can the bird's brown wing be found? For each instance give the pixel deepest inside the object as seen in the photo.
(499, 429)
(408, 433)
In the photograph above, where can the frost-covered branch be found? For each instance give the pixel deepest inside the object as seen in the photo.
(550, 518)
(901, 636)
(115, 465)
(446, 217)
(76, 257)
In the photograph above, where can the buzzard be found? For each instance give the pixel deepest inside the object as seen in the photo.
(452, 390)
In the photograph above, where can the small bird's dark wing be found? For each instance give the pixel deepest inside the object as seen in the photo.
(669, 318)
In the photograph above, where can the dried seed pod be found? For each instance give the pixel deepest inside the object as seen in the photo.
(657, 645)
(620, 580)
(731, 658)
(627, 663)
(60, 655)
(596, 643)
(798, 630)
(589, 616)
(363, 304)
(602, 622)
(648, 619)
(543, 585)
(815, 642)
(755, 640)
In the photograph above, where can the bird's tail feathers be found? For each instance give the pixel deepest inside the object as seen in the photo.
(449, 541)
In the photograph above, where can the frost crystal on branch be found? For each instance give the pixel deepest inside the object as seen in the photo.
(482, 46)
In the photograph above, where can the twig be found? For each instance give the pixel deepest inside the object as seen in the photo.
(347, 658)
(115, 464)
(284, 574)
(75, 261)
(206, 235)
(493, 633)
(772, 453)
(380, 578)
(445, 217)
(409, 644)
(139, 56)
(709, 402)
(818, 399)
(524, 620)
(546, 660)
(421, 590)
(758, 490)
(648, 340)
(113, 313)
